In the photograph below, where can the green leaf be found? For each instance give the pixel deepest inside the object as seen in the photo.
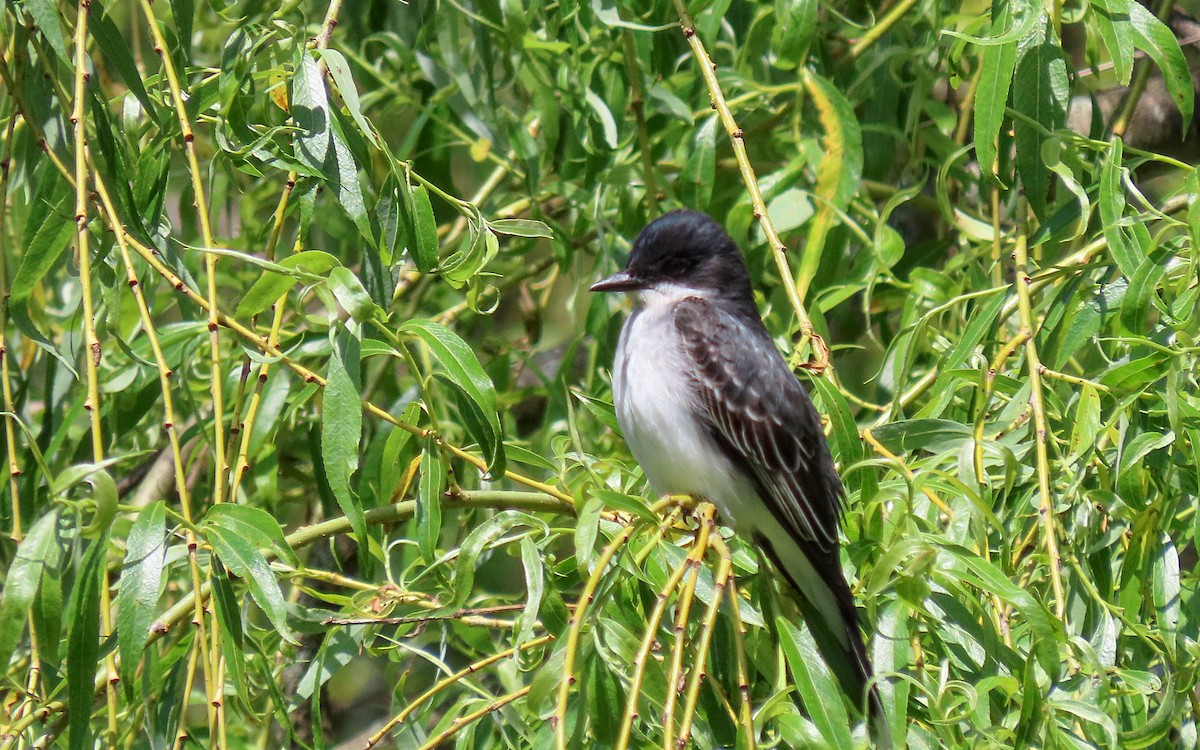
(229, 617)
(352, 295)
(83, 644)
(696, 177)
(1154, 38)
(1041, 92)
(1112, 21)
(991, 95)
(310, 110)
(521, 228)
(255, 525)
(429, 501)
(603, 115)
(44, 250)
(838, 173)
(481, 538)
(117, 51)
(424, 250)
(243, 559)
(141, 585)
(1142, 286)
(45, 18)
(1087, 424)
(272, 285)
(1112, 202)
(795, 27)
(341, 430)
(339, 69)
(933, 435)
(21, 583)
(460, 367)
(814, 683)
(535, 579)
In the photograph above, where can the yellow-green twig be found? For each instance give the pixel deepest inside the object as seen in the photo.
(746, 712)
(576, 627)
(466, 719)
(707, 626)
(705, 517)
(650, 634)
(1046, 506)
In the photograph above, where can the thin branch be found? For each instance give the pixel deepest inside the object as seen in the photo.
(1036, 400)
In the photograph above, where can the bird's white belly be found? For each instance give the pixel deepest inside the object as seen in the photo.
(655, 405)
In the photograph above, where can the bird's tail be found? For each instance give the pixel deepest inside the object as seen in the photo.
(828, 609)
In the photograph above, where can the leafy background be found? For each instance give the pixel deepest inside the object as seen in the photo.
(306, 404)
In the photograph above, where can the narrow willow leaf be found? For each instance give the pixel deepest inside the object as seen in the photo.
(272, 285)
(604, 118)
(991, 95)
(117, 51)
(697, 176)
(815, 683)
(229, 617)
(352, 295)
(1032, 717)
(635, 506)
(243, 559)
(521, 228)
(310, 110)
(848, 445)
(1166, 590)
(1154, 38)
(459, 366)
(341, 430)
(481, 538)
(933, 435)
(44, 250)
(339, 69)
(83, 644)
(141, 584)
(1040, 93)
(1087, 424)
(255, 525)
(1158, 724)
(1112, 21)
(587, 527)
(792, 36)
(342, 173)
(838, 172)
(21, 582)
(429, 501)
(1142, 286)
(424, 229)
(987, 577)
(1112, 203)
(535, 578)
(45, 18)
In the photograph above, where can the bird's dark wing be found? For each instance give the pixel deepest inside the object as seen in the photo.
(754, 403)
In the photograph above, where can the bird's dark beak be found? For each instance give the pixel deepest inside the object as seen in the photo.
(621, 281)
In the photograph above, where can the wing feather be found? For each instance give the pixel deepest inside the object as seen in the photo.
(778, 436)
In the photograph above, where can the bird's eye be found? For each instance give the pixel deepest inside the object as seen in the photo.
(675, 267)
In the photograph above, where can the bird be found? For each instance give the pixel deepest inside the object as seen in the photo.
(709, 408)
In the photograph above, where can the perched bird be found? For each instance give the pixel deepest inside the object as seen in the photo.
(709, 408)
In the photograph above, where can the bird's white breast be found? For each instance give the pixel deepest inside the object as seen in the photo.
(656, 405)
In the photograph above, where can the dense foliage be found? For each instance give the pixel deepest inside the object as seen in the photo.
(306, 402)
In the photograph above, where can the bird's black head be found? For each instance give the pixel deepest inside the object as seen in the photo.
(684, 249)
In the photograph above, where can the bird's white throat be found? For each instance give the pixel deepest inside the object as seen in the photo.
(657, 410)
